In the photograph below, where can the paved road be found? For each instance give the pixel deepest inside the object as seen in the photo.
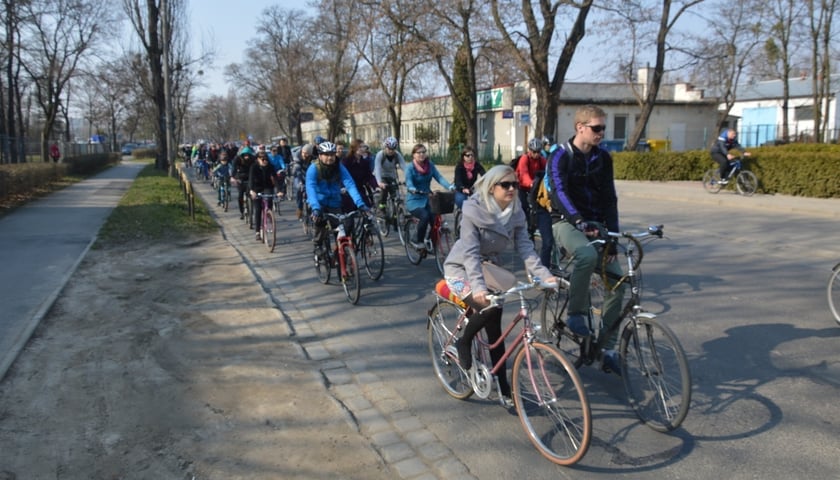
(717, 283)
(743, 303)
(42, 243)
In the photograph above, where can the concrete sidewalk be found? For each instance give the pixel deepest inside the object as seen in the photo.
(42, 244)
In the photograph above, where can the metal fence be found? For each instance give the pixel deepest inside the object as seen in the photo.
(30, 150)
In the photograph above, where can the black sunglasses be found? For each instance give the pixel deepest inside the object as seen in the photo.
(508, 185)
(468, 154)
(596, 128)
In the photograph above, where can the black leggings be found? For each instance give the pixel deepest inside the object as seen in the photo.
(491, 321)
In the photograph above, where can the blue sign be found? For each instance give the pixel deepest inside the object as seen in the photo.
(507, 113)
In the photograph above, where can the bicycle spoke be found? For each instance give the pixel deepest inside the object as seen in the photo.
(551, 403)
(443, 319)
(655, 374)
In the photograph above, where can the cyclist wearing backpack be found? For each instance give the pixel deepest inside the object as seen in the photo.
(582, 190)
(241, 170)
(527, 166)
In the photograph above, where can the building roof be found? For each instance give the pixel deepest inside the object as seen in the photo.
(773, 89)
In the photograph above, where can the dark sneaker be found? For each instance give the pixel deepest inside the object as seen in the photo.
(611, 362)
(577, 324)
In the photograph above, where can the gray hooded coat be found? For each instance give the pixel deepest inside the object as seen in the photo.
(484, 237)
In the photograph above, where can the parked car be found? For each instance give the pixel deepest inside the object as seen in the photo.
(128, 148)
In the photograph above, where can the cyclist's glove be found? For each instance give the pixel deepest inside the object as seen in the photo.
(316, 214)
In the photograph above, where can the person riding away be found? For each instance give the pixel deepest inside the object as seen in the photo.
(300, 164)
(418, 183)
(385, 169)
(492, 222)
(359, 170)
(223, 171)
(242, 168)
(261, 180)
(467, 171)
(582, 190)
(324, 181)
(529, 163)
(727, 141)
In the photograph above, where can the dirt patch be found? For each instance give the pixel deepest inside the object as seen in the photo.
(167, 361)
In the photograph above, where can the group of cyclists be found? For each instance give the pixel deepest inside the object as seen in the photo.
(497, 205)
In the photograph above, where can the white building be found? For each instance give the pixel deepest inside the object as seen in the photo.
(681, 120)
(758, 111)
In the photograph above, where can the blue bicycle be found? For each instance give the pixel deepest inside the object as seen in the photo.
(745, 181)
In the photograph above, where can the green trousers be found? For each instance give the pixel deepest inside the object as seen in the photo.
(585, 258)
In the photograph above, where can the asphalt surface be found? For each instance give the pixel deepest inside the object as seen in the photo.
(42, 244)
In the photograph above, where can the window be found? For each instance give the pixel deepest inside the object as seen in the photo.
(803, 112)
(482, 129)
(620, 127)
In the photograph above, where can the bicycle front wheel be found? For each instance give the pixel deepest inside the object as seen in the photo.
(226, 198)
(442, 322)
(655, 373)
(350, 279)
(711, 181)
(746, 182)
(551, 403)
(400, 222)
(443, 247)
(373, 252)
(269, 231)
(834, 292)
(323, 265)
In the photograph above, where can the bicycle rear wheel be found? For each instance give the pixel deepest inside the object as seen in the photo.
(551, 403)
(443, 247)
(833, 291)
(373, 251)
(350, 280)
(711, 181)
(226, 198)
(443, 319)
(410, 231)
(269, 230)
(306, 221)
(746, 182)
(655, 373)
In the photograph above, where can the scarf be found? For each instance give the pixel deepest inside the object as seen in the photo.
(469, 167)
(503, 216)
(422, 168)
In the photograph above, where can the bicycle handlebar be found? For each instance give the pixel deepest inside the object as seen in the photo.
(497, 300)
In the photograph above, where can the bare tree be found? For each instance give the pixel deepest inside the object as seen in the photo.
(11, 118)
(444, 30)
(724, 51)
(60, 34)
(335, 66)
(784, 19)
(819, 33)
(392, 56)
(528, 35)
(641, 16)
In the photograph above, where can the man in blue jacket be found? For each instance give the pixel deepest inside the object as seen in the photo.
(324, 181)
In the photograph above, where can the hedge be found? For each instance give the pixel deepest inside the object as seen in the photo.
(23, 178)
(810, 170)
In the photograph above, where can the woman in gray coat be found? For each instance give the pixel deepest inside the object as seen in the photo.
(492, 221)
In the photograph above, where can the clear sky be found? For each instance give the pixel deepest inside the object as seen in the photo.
(218, 23)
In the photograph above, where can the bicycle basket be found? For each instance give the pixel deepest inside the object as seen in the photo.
(442, 202)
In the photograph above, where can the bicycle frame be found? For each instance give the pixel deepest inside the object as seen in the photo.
(526, 334)
(343, 239)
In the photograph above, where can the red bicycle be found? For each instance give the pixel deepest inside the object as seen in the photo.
(439, 238)
(342, 257)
